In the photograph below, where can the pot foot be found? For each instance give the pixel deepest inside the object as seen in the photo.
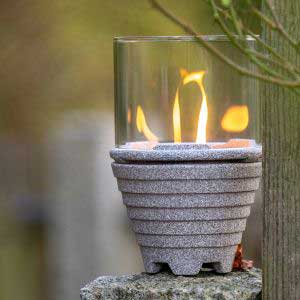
(223, 267)
(152, 267)
(188, 261)
(189, 267)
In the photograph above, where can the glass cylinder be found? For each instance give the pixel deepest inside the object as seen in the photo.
(172, 89)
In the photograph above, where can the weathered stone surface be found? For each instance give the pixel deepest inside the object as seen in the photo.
(245, 285)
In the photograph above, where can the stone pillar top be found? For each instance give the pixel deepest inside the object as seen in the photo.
(240, 285)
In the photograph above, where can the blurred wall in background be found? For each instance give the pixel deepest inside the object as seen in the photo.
(62, 222)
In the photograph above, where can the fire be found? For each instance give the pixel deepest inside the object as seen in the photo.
(203, 115)
(142, 126)
(236, 118)
(176, 119)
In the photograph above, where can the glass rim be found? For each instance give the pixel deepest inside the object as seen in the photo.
(176, 38)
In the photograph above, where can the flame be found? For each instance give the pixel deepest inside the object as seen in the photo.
(176, 119)
(142, 126)
(236, 118)
(183, 72)
(203, 115)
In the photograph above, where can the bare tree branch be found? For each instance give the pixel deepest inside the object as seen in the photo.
(279, 27)
(281, 61)
(263, 17)
(245, 49)
(272, 51)
(278, 63)
(188, 29)
(278, 59)
(235, 21)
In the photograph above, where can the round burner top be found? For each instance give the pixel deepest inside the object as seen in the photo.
(233, 150)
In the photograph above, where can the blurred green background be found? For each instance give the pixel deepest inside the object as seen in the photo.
(57, 55)
(61, 218)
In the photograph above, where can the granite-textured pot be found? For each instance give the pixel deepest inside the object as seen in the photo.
(188, 213)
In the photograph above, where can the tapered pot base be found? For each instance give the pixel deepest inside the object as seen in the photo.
(188, 214)
(188, 261)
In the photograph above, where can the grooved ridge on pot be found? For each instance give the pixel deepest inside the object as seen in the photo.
(187, 171)
(187, 200)
(189, 241)
(188, 214)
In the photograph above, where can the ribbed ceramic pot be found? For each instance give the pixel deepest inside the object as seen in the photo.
(188, 213)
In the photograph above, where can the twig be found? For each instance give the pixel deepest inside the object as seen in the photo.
(188, 29)
(235, 21)
(279, 27)
(275, 62)
(245, 49)
(281, 61)
(272, 51)
(268, 21)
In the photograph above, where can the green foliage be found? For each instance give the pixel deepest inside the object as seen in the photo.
(226, 3)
